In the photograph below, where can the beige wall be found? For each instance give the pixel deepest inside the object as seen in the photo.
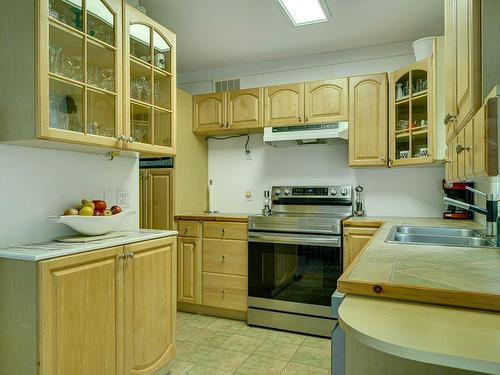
(191, 163)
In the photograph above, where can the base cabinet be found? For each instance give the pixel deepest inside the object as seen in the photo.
(213, 267)
(355, 239)
(102, 312)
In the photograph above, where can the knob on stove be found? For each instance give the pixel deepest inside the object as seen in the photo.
(277, 192)
(334, 192)
(343, 192)
(287, 191)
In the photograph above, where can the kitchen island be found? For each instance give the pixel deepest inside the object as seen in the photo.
(417, 333)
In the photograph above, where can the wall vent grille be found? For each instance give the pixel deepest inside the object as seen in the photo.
(229, 85)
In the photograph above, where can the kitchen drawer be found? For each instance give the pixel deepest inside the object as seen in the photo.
(225, 291)
(229, 257)
(225, 230)
(189, 228)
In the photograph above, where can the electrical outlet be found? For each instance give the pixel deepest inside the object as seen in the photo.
(122, 198)
(248, 196)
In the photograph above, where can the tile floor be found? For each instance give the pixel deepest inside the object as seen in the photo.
(211, 346)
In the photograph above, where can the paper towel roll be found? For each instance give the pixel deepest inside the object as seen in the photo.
(211, 196)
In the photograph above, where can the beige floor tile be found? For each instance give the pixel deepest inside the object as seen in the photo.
(204, 370)
(318, 343)
(240, 343)
(209, 337)
(298, 369)
(312, 357)
(258, 365)
(276, 350)
(202, 321)
(258, 332)
(185, 331)
(287, 337)
(227, 325)
(225, 359)
(176, 367)
(194, 353)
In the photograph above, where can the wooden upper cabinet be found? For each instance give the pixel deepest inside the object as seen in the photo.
(327, 101)
(209, 112)
(245, 109)
(284, 105)
(150, 305)
(368, 120)
(463, 59)
(80, 313)
(150, 85)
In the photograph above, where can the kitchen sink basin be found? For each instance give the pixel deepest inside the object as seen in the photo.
(438, 236)
(437, 231)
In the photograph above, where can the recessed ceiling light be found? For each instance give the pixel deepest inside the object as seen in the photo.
(304, 12)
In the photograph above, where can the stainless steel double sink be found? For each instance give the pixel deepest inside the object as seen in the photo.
(437, 236)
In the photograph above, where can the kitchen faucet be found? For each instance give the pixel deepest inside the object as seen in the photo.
(491, 210)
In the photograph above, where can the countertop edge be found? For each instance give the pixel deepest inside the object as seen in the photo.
(360, 329)
(76, 248)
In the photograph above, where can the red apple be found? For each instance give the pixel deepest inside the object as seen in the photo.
(116, 210)
(100, 205)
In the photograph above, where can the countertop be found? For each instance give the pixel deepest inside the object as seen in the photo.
(54, 249)
(218, 216)
(438, 335)
(457, 276)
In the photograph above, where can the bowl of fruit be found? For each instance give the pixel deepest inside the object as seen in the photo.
(92, 218)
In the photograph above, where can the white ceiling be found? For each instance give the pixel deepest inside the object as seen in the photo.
(218, 33)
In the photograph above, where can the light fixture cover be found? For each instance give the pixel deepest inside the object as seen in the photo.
(304, 12)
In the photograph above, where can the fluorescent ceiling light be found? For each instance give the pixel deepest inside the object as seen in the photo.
(304, 12)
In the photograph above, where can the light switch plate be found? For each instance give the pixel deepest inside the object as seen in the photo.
(122, 198)
(248, 196)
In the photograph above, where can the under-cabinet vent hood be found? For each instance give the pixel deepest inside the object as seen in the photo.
(329, 133)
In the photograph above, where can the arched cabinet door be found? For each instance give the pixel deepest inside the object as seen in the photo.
(326, 101)
(245, 109)
(150, 85)
(368, 120)
(284, 105)
(209, 112)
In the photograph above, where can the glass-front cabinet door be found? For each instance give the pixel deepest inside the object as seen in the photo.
(80, 76)
(150, 84)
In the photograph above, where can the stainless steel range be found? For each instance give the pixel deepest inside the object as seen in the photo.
(295, 258)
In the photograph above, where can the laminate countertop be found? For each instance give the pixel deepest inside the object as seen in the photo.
(456, 276)
(54, 249)
(218, 216)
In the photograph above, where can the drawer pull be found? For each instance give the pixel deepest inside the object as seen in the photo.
(223, 294)
(223, 231)
(223, 258)
(186, 229)
(377, 289)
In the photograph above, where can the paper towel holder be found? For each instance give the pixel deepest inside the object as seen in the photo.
(211, 209)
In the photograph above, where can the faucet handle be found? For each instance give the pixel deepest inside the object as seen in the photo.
(475, 191)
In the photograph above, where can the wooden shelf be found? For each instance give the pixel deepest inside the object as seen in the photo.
(402, 100)
(419, 94)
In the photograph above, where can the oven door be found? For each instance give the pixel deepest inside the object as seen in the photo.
(293, 272)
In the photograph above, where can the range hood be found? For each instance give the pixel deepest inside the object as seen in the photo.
(328, 133)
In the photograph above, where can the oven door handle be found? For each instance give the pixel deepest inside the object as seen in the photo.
(294, 239)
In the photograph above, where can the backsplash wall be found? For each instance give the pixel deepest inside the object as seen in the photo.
(36, 183)
(389, 192)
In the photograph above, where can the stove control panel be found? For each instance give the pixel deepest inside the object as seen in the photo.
(309, 192)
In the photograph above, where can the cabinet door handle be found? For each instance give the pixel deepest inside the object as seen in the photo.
(122, 138)
(299, 118)
(130, 255)
(459, 148)
(223, 258)
(227, 125)
(222, 125)
(186, 229)
(307, 118)
(130, 139)
(122, 256)
(449, 118)
(223, 231)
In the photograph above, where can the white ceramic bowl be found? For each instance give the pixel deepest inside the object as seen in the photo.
(422, 48)
(91, 225)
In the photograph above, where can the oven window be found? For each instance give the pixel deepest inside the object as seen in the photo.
(294, 273)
